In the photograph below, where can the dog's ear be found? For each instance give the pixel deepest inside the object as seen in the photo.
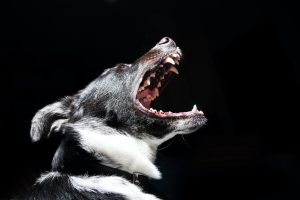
(48, 119)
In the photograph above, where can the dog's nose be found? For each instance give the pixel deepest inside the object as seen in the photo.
(166, 41)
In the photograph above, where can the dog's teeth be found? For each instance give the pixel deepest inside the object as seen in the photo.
(147, 82)
(152, 75)
(141, 89)
(169, 60)
(159, 85)
(161, 66)
(152, 110)
(173, 69)
(194, 108)
(175, 55)
(156, 92)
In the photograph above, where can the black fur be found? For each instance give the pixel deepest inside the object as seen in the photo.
(108, 102)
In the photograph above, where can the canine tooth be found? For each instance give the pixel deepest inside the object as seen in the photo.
(194, 108)
(175, 55)
(173, 69)
(161, 66)
(152, 75)
(156, 92)
(159, 84)
(169, 60)
(147, 82)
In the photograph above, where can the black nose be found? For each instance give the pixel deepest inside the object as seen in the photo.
(166, 41)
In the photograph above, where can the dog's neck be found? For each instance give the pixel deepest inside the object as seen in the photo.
(92, 153)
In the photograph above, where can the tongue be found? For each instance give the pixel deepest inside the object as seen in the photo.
(143, 94)
(142, 97)
(146, 104)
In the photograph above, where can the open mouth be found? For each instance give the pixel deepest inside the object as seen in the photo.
(152, 83)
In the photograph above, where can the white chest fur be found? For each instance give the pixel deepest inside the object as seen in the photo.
(132, 154)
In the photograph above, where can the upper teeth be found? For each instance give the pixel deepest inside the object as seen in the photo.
(146, 83)
(158, 84)
(169, 60)
(148, 92)
(156, 92)
(173, 69)
(176, 55)
(152, 74)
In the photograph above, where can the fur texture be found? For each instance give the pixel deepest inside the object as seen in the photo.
(104, 128)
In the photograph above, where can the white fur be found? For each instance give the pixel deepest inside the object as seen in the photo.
(102, 184)
(47, 176)
(155, 142)
(134, 155)
(111, 184)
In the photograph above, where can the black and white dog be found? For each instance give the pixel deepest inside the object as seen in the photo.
(110, 133)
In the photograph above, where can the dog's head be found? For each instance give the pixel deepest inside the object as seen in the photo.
(119, 102)
(121, 98)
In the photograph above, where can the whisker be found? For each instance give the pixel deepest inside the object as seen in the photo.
(187, 144)
(171, 142)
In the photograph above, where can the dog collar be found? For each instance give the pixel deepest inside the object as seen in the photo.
(136, 177)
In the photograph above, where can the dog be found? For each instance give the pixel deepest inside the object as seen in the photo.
(110, 133)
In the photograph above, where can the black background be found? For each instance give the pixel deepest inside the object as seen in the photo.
(240, 66)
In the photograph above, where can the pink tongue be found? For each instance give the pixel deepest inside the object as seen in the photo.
(143, 94)
(146, 104)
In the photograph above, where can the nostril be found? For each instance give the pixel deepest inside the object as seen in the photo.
(165, 40)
